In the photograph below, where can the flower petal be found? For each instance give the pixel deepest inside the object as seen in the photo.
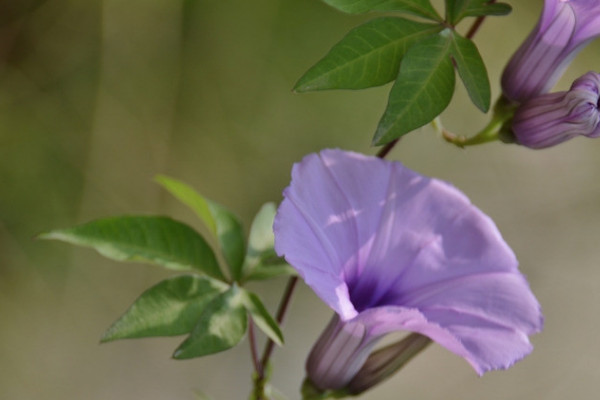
(489, 345)
(296, 235)
(565, 27)
(331, 210)
(588, 19)
(500, 297)
(485, 344)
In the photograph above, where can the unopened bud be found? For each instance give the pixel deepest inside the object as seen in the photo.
(550, 119)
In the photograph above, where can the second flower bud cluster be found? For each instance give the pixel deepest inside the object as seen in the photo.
(545, 119)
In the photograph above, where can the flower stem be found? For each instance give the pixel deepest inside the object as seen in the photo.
(283, 305)
(387, 148)
(494, 130)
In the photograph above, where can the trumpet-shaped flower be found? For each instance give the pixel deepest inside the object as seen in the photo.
(553, 118)
(388, 250)
(564, 28)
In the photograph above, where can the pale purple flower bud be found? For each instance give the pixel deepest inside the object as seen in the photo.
(338, 354)
(552, 118)
(391, 250)
(564, 28)
(384, 362)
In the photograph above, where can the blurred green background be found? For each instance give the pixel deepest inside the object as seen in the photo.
(97, 97)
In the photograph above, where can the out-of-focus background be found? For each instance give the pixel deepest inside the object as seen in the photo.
(97, 97)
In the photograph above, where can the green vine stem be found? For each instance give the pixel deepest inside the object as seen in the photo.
(497, 129)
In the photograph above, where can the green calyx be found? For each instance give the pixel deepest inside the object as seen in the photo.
(311, 392)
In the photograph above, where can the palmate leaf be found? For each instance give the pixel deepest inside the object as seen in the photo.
(456, 10)
(261, 262)
(423, 89)
(223, 224)
(421, 8)
(172, 307)
(221, 326)
(369, 55)
(472, 71)
(155, 240)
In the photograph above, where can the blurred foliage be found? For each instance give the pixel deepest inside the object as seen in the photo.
(98, 97)
(48, 82)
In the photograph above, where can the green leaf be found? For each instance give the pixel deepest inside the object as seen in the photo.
(170, 308)
(261, 261)
(472, 71)
(188, 196)
(261, 316)
(481, 8)
(221, 326)
(261, 236)
(223, 224)
(270, 267)
(421, 8)
(456, 10)
(369, 55)
(156, 240)
(422, 91)
(231, 239)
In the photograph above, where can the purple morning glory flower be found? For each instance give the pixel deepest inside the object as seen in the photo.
(564, 28)
(388, 250)
(552, 118)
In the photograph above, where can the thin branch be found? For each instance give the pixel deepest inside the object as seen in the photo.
(283, 305)
(386, 149)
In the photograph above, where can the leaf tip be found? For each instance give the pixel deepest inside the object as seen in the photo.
(162, 179)
(43, 236)
(50, 235)
(379, 137)
(376, 142)
(301, 88)
(105, 339)
(179, 354)
(108, 336)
